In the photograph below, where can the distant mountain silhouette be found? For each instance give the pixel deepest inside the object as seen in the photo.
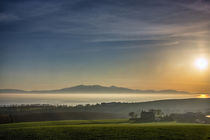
(91, 89)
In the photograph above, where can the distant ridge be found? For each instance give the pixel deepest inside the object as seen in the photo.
(91, 89)
(11, 91)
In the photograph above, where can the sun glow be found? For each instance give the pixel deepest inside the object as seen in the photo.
(201, 63)
(203, 96)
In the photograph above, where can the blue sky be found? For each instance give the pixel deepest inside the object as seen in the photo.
(138, 44)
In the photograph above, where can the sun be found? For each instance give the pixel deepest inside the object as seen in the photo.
(203, 96)
(201, 63)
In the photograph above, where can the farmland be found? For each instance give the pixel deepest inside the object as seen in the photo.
(103, 129)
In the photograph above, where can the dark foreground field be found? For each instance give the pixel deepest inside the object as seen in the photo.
(103, 129)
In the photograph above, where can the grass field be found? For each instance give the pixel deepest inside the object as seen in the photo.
(103, 129)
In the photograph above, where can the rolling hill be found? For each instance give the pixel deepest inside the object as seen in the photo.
(91, 89)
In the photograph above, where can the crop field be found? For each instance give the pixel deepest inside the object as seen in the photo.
(103, 130)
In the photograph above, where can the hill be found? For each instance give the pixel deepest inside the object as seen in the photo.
(117, 108)
(91, 89)
(167, 106)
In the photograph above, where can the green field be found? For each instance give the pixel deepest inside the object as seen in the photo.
(103, 129)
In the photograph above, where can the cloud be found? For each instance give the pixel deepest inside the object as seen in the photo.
(197, 5)
(106, 20)
(8, 17)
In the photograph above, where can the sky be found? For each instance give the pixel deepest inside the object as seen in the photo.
(136, 44)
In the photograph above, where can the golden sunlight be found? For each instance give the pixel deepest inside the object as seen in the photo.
(201, 63)
(203, 96)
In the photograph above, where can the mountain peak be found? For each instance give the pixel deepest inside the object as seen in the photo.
(91, 89)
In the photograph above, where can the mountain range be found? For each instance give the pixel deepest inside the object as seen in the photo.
(91, 89)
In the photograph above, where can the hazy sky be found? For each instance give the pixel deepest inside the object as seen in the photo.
(142, 44)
